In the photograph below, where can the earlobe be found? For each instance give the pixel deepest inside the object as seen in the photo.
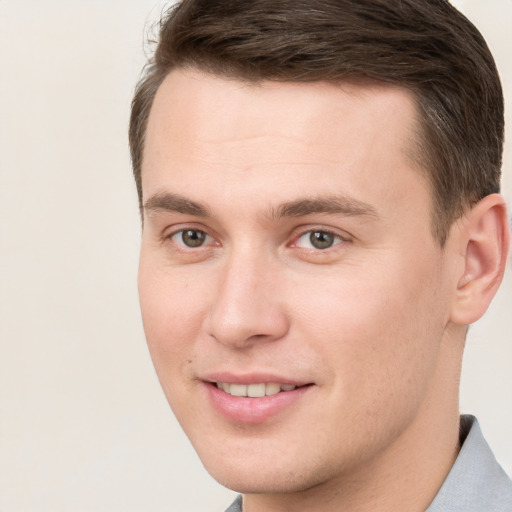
(485, 240)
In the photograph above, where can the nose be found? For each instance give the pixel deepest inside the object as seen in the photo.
(246, 307)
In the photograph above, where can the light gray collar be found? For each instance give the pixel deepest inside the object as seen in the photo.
(476, 482)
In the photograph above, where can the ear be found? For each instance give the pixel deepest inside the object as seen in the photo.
(484, 245)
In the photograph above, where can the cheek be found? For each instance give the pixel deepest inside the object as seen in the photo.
(171, 323)
(376, 339)
(378, 331)
(171, 309)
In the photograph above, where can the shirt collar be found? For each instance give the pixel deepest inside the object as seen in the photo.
(476, 481)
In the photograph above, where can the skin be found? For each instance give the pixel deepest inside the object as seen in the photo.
(374, 323)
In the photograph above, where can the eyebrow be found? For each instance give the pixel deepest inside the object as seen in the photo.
(334, 204)
(168, 202)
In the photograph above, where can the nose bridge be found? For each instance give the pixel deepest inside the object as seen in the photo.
(246, 307)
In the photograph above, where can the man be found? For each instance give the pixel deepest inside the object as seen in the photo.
(319, 189)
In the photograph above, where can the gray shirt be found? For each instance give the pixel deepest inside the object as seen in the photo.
(476, 482)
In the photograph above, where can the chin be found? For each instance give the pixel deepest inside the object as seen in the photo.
(249, 476)
(261, 484)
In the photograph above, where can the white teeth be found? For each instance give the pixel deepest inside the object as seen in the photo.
(238, 390)
(254, 390)
(272, 389)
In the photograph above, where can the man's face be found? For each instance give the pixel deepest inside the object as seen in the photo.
(287, 247)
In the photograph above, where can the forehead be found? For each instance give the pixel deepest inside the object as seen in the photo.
(349, 134)
(199, 101)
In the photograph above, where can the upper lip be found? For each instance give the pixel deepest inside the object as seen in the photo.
(251, 378)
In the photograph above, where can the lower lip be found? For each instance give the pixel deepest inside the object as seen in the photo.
(253, 410)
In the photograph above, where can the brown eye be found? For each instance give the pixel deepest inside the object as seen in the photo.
(190, 237)
(321, 239)
(318, 239)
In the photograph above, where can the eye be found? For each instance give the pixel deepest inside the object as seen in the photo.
(318, 239)
(190, 237)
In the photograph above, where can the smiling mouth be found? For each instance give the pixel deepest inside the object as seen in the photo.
(254, 390)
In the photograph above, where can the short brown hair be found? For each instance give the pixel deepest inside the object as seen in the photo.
(426, 46)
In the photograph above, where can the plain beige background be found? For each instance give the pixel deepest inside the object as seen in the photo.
(83, 423)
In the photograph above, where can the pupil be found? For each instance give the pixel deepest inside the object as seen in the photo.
(193, 238)
(321, 240)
